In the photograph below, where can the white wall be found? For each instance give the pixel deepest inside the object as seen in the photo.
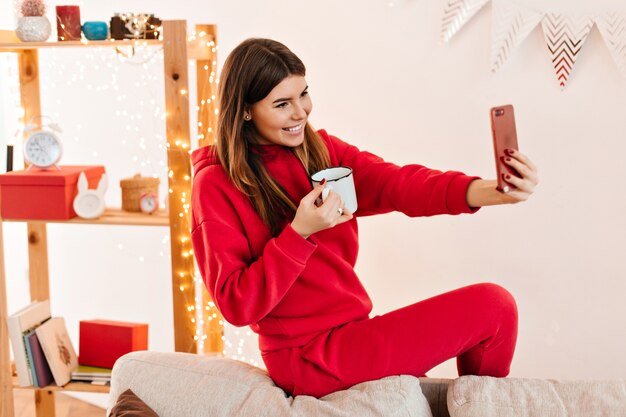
(380, 80)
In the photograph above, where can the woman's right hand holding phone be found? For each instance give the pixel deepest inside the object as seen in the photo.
(524, 184)
(311, 218)
(482, 193)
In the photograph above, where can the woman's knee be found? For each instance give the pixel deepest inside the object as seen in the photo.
(498, 299)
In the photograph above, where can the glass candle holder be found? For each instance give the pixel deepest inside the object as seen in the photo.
(68, 23)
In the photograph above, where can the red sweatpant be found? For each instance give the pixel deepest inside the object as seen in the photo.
(476, 324)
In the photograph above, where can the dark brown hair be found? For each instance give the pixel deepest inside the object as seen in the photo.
(250, 73)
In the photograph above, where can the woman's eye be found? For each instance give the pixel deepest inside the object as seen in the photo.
(283, 104)
(304, 93)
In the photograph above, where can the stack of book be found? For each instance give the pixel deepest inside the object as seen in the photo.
(41, 346)
(92, 374)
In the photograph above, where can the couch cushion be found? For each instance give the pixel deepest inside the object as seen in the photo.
(183, 384)
(471, 396)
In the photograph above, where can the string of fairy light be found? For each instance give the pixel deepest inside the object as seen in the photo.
(208, 312)
(239, 346)
(139, 142)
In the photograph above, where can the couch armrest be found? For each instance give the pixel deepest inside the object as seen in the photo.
(474, 396)
(186, 385)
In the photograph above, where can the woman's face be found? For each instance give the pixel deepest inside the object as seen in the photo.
(281, 116)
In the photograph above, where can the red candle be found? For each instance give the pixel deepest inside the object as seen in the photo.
(68, 23)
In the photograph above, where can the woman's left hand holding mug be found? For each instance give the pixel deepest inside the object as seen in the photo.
(311, 218)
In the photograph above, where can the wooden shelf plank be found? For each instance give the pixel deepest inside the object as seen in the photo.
(72, 386)
(112, 216)
(15, 46)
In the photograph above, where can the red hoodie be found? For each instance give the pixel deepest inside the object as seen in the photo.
(287, 288)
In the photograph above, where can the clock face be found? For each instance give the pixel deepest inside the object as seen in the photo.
(148, 203)
(89, 206)
(42, 149)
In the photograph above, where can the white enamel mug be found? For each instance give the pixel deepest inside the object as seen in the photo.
(340, 181)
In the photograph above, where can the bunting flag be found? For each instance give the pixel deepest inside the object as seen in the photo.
(564, 34)
(456, 15)
(612, 26)
(511, 25)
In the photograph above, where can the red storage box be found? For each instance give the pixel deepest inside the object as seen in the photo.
(43, 194)
(102, 342)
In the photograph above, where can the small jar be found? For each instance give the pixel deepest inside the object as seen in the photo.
(96, 31)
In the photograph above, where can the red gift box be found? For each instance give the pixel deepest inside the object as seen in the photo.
(102, 342)
(43, 194)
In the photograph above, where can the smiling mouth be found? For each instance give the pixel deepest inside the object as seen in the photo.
(295, 129)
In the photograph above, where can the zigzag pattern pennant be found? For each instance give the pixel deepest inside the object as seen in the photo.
(456, 14)
(510, 25)
(565, 36)
(612, 26)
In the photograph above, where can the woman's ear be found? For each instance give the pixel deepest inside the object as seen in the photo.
(247, 114)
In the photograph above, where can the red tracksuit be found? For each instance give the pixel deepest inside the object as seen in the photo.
(303, 297)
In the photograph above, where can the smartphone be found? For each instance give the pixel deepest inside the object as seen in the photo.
(504, 137)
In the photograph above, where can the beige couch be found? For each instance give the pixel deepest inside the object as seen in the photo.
(187, 385)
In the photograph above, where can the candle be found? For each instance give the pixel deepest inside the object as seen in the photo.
(68, 23)
(9, 158)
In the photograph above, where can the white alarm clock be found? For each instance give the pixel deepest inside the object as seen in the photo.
(89, 204)
(43, 148)
(149, 202)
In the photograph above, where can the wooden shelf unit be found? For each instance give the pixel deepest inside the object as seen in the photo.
(177, 50)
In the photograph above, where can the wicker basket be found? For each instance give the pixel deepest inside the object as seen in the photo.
(133, 188)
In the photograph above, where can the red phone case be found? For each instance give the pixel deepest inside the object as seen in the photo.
(504, 137)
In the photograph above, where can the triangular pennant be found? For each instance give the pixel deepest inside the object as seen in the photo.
(565, 36)
(456, 14)
(510, 25)
(612, 26)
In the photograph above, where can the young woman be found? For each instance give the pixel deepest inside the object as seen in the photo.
(274, 259)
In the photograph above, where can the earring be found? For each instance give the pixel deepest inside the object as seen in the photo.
(247, 117)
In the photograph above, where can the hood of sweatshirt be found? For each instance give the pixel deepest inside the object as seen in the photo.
(204, 157)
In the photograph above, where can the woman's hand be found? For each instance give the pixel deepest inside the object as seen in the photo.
(523, 186)
(310, 218)
(484, 193)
